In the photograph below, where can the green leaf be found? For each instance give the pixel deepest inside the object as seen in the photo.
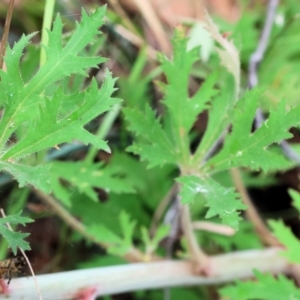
(87, 176)
(220, 112)
(287, 238)
(161, 232)
(170, 143)
(50, 130)
(67, 60)
(127, 227)
(243, 148)
(104, 235)
(15, 239)
(117, 245)
(152, 244)
(219, 119)
(229, 55)
(296, 198)
(157, 148)
(265, 288)
(22, 99)
(37, 176)
(220, 200)
(38, 112)
(182, 108)
(244, 239)
(145, 236)
(198, 36)
(16, 219)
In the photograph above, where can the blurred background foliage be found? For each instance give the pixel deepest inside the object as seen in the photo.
(133, 32)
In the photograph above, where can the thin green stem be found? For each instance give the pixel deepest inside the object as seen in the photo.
(47, 20)
(103, 130)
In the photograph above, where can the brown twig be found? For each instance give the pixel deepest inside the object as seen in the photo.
(6, 31)
(199, 258)
(154, 23)
(136, 40)
(213, 227)
(122, 14)
(262, 230)
(26, 258)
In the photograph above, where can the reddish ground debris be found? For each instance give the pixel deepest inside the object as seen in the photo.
(89, 293)
(4, 287)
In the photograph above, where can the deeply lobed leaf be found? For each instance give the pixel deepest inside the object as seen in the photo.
(265, 288)
(22, 98)
(287, 238)
(85, 177)
(50, 130)
(243, 148)
(221, 201)
(118, 245)
(14, 239)
(155, 146)
(182, 109)
(39, 113)
(36, 176)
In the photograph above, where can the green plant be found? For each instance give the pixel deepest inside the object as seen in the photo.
(56, 104)
(37, 114)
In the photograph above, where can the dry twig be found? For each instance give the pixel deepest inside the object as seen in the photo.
(6, 31)
(154, 275)
(123, 15)
(213, 227)
(201, 262)
(154, 23)
(262, 230)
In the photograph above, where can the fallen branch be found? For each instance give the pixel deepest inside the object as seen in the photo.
(142, 276)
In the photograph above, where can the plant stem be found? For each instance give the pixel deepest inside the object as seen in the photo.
(213, 227)
(153, 275)
(262, 230)
(103, 130)
(47, 20)
(6, 31)
(123, 15)
(258, 55)
(255, 59)
(161, 208)
(199, 258)
(150, 15)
